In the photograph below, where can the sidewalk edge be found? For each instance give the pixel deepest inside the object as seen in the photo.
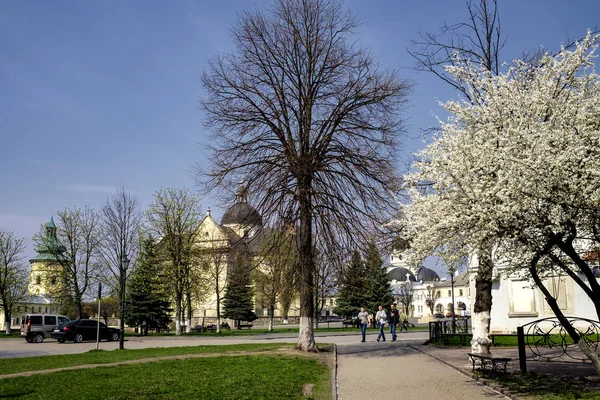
(334, 374)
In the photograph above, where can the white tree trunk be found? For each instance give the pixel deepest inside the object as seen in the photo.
(481, 333)
(306, 341)
(177, 326)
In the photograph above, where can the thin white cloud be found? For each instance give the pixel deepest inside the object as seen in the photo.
(87, 188)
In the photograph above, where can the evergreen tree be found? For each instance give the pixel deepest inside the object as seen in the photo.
(379, 291)
(237, 302)
(352, 293)
(147, 304)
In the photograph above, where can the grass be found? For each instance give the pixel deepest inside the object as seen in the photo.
(240, 377)
(13, 335)
(14, 365)
(262, 331)
(537, 387)
(512, 341)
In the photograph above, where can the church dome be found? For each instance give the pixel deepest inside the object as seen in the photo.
(427, 275)
(399, 274)
(241, 214)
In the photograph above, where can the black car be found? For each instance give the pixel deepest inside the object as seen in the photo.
(83, 329)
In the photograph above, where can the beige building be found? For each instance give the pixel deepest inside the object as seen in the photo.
(241, 231)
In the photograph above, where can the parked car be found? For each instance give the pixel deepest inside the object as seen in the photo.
(438, 315)
(83, 329)
(36, 327)
(213, 327)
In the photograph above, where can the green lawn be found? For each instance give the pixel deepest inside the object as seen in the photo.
(261, 331)
(13, 335)
(226, 377)
(14, 365)
(508, 341)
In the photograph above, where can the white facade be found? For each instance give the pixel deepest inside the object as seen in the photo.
(515, 300)
(425, 286)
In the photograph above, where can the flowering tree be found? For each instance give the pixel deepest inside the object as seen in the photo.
(517, 171)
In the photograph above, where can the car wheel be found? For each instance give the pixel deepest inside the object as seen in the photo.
(61, 340)
(38, 338)
(114, 337)
(78, 338)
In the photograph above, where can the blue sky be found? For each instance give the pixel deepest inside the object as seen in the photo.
(96, 94)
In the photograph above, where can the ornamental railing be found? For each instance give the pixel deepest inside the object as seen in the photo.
(447, 327)
(547, 340)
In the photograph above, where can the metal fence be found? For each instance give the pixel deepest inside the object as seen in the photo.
(448, 327)
(547, 340)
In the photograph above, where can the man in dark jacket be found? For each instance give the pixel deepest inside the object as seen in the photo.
(394, 320)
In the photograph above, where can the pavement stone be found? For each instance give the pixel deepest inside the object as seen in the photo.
(396, 370)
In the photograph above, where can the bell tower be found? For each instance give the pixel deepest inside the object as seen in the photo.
(46, 274)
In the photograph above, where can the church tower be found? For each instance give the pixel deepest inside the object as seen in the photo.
(45, 279)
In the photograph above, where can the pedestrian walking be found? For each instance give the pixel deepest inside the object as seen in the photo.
(394, 320)
(363, 316)
(403, 321)
(381, 318)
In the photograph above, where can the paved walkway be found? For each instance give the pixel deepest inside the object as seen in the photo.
(394, 370)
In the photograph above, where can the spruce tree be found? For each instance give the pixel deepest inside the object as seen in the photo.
(237, 302)
(379, 291)
(352, 293)
(147, 301)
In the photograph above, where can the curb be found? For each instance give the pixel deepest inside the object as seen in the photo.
(334, 373)
(497, 388)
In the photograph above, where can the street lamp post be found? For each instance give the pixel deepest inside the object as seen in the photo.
(123, 276)
(453, 307)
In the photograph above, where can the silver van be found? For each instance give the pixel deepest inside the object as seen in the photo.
(36, 327)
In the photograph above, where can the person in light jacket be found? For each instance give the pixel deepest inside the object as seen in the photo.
(363, 317)
(381, 318)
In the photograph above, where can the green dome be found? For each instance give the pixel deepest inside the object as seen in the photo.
(49, 248)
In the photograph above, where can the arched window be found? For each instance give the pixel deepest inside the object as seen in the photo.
(53, 280)
(439, 308)
(38, 280)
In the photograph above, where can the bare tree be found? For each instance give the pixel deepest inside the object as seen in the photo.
(79, 231)
(478, 40)
(215, 261)
(325, 282)
(311, 122)
(13, 277)
(121, 220)
(406, 296)
(174, 218)
(273, 274)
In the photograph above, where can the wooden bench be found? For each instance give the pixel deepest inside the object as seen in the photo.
(348, 323)
(487, 360)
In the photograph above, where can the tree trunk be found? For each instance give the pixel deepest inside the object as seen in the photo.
(271, 317)
(218, 311)
(188, 325)
(483, 303)
(306, 337)
(7, 317)
(585, 269)
(178, 315)
(573, 334)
